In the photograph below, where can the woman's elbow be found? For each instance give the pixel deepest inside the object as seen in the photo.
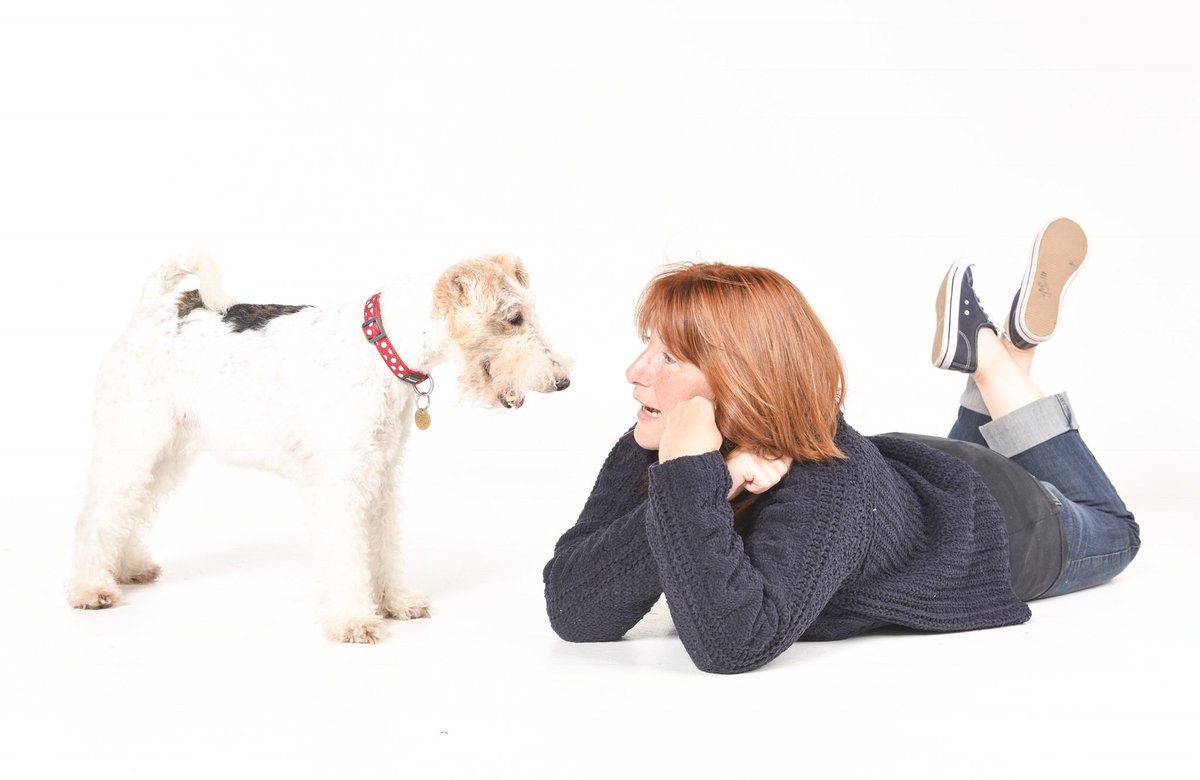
(731, 657)
(724, 665)
(572, 626)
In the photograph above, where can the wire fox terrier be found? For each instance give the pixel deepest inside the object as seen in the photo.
(321, 395)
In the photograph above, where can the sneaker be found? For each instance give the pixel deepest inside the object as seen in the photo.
(959, 319)
(1057, 256)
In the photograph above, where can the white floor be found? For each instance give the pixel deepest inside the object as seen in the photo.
(220, 667)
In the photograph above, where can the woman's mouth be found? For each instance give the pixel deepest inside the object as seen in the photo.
(648, 413)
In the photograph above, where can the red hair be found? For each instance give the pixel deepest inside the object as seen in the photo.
(775, 372)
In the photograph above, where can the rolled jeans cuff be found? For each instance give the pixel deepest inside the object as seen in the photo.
(1030, 425)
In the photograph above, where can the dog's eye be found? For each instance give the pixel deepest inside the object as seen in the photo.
(516, 320)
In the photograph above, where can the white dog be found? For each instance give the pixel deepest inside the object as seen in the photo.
(322, 395)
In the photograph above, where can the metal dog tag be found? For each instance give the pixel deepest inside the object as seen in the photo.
(422, 418)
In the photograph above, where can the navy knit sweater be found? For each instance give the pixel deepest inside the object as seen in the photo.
(897, 534)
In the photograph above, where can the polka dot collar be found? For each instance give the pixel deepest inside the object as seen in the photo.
(374, 332)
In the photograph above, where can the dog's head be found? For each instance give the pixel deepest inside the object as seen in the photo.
(491, 319)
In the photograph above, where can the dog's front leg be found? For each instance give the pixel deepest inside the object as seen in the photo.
(338, 509)
(394, 600)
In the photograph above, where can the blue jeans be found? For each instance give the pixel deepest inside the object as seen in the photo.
(1101, 534)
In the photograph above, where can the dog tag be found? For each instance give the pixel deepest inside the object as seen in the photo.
(422, 418)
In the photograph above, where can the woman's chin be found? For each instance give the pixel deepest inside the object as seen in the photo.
(647, 435)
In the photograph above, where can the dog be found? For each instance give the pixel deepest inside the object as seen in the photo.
(323, 395)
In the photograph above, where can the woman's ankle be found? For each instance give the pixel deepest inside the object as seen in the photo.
(1023, 358)
(990, 355)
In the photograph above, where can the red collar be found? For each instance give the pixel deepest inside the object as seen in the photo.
(374, 332)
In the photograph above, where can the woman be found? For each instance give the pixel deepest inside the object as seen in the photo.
(744, 496)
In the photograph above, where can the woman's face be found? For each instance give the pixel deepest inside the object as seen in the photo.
(659, 382)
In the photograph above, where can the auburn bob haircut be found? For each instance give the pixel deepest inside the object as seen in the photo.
(775, 372)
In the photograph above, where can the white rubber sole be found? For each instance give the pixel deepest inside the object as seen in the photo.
(945, 338)
(1057, 257)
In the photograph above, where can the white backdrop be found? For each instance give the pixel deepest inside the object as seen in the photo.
(320, 149)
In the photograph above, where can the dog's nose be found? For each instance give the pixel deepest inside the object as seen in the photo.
(562, 384)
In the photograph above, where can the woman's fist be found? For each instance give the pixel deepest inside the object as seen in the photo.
(754, 472)
(691, 429)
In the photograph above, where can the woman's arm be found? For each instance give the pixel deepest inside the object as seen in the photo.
(738, 607)
(602, 579)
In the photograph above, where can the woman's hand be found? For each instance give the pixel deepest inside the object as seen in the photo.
(754, 472)
(690, 429)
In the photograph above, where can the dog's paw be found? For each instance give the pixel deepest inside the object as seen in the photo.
(139, 576)
(407, 606)
(365, 631)
(93, 596)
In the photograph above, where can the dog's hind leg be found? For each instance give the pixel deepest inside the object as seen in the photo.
(135, 565)
(394, 600)
(338, 506)
(132, 442)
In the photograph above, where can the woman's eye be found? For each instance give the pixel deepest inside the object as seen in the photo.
(516, 320)
(667, 358)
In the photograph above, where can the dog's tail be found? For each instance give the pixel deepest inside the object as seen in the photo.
(169, 274)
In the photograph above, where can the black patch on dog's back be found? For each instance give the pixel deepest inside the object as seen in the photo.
(253, 316)
(241, 316)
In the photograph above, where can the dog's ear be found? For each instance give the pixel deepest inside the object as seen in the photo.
(512, 266)
(463, 288)
(452, 291)
(464, 285)
(519, 272)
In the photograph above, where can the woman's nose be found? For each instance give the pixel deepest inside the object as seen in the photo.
(636, 373)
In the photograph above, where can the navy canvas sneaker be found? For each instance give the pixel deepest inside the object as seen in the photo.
(959, 319)
(1057, 256)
